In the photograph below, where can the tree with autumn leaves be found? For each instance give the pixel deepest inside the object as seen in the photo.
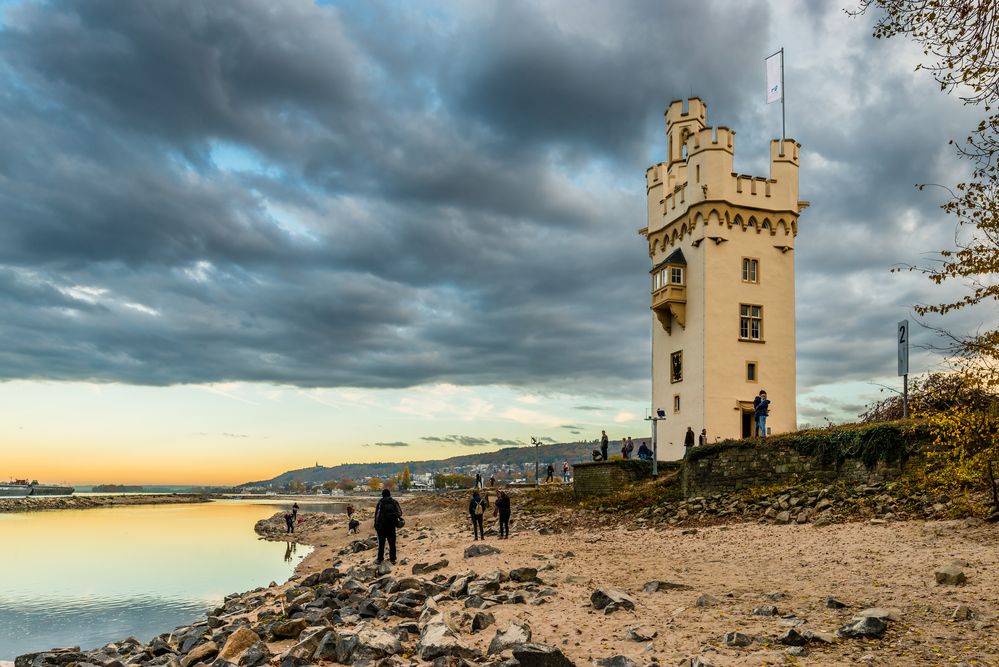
(959, 39)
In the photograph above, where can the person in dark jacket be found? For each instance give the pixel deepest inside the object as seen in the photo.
(603, 445)
(688, 441)
(761, 408)
(551, 474)
(503, 511)
(294, 512)
(387, 515)
(644, 453)
(289, 522)
(477, 509)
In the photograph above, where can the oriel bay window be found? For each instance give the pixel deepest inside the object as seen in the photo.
(750, 322)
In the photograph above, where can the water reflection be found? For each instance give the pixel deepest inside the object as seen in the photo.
(86, 577)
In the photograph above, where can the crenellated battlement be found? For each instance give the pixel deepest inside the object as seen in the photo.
(699, 169)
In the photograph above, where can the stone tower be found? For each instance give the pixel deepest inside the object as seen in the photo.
(722, 282)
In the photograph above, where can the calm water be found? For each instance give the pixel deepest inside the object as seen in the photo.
(87, 577)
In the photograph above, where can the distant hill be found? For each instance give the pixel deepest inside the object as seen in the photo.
(573, 452)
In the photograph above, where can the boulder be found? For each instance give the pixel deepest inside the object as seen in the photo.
(705, 600)
(373, 643)
(200, 653)
(540, 655)
(616, 661)
(642, 633)
(524, 574)
(783, 517)
(481, 587)
(737, 639)
(480, 550)
(882, 613)
(817, 636)
(289, 629)
(950, 575)
(792, 638)
(660, 586)
(409, 584)
(327, 647)
(866, 627)
(482, 620)
(603, 597)
(426, 568)
(513, 635)
(765, 610)
(308, 642)
(238, 642)
(833, 603)
(256, 655)
(437, 640)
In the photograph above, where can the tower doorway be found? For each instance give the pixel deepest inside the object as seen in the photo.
(745, 409)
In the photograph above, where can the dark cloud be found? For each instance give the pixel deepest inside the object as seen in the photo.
(392, 444)
(468, 440)
(370, 195)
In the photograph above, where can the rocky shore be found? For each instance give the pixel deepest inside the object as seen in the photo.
(90, 502)
(749, 593)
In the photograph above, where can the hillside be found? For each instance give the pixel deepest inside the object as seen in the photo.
(573, 452)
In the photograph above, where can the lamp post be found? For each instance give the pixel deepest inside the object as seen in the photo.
(537, 443)
(660, 414)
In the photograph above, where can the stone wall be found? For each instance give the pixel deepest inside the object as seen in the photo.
(743, 466)
(598, 478)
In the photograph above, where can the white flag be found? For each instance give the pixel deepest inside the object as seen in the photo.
(775, 87)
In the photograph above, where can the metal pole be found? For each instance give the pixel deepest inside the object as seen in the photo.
(655, 449)
(537, 478)
(783, 94)
(905, 396)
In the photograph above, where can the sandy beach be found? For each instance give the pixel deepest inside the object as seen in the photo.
(733, 569)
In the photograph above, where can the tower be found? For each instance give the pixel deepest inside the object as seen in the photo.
(722, 282)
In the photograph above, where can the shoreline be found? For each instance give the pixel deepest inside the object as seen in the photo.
(48, 503)
(713, 585)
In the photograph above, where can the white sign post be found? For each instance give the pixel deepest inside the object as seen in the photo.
(903, 364)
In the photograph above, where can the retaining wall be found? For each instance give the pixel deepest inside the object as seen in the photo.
(743, 466)
(598, 478)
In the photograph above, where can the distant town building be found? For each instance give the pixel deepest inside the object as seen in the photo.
(722, 282)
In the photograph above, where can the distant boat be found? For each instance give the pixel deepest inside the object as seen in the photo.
(21, 488)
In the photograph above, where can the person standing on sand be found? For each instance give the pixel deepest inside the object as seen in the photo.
(503, 511)
(294, 512)
(565, 472)
(387, 516)
(478, 480)
(289, 522)
(477, 509)
(551, 474)
(603, 445)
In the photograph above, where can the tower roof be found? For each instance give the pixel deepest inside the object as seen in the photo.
(675, 257)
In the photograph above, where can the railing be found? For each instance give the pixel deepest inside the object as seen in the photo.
(669, 294)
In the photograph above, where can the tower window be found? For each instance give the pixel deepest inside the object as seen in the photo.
(676, 366)
(750, 270)
(752, 372)
(675, 275)
(750, 322)
(676, 402)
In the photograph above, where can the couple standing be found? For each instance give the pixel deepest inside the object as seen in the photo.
(477, 510)
(761, 409)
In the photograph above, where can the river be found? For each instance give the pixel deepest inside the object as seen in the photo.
(88, 577)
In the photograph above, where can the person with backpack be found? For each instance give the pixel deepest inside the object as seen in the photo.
(503, 511)
(289, 522)
(388, 517)
(477, 509)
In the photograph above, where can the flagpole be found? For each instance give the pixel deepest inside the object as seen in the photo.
(783, 129)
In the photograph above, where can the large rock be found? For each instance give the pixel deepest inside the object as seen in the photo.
(514, 634)
(481, 587)
(289, 629)
(373, 644)
(426, 568)
(200, 653)
(256, 655)
(616, 661)
(660, 586)
(524, 574)
(642, 633)
(603, 597)
(237, 644)
(480, 550)
(540, 655)
(306, 647)
(482, 620)
(882, 613)
(737, 639)
(792, 638)
(437, 640)
(950, 575)
(866, 627)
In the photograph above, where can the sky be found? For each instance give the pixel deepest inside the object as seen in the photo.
(241, 237)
